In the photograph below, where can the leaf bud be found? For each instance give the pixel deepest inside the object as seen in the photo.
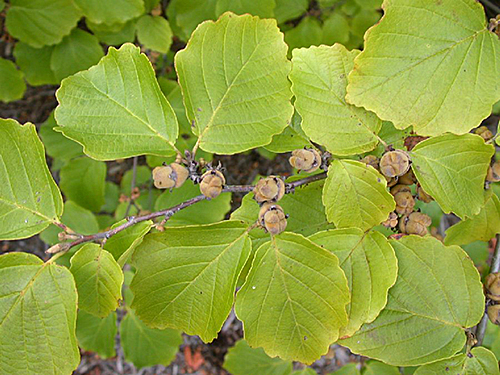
(494, 314)
(212, 182)
(269, 189)
(408, 178)
(404, 203)
(371, 160)
(170, 176)
(415, 223)
(492, 285)
(307, 160)
(484, 133)
(392, 220)
(272, 218)
(394, 163)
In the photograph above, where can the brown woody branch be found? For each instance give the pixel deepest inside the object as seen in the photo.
(167, 214)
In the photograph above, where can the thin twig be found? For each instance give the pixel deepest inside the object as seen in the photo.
(495, 267)
(169, 212)
(132, 185)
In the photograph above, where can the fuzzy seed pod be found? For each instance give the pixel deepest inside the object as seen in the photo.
(269, 189)
(492, 285)
(484, 132)
(170, 176)
(391, 221)
(404, 203)
(212, 183)
(399, 188)
(371, 160)
(272, 218)
(423, 196)
(394, 163)
(408, 178)
(415, 223)
(494, 172)
(307, 160)
(494, 314)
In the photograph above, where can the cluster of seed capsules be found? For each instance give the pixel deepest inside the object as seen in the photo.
(395, 167)
(493, 174)
(492, 289)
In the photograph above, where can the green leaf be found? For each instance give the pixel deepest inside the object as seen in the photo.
(150, 4)
(154, 33)
(29, 198)
(143, 175)
(319, 77)
(452, 169)
(114, 35)
(416, 73)
(37, 317)
(172, 92)
(293, 301)
(260, 8)
(479, 361)
(378, 368)
(186, 276)
(2, 4)
(305, 371)
(292, 138)
(438, 294)
(144, 346)
(118, 98)
(35, 64)
(122, 244)
(241, 359)
(98, 279)
(370, 266)
(307, 213)
(82, 180)
(335, 30)
(363, 21)
(248, 103)
(41, 22)
(185, 15)
(308, 32)
(482, 226)
(56, 145)
(97, 334)
(289, 9)
(111, 197)
(110, 11)
(204, 212)
(355, 195)
(12, 86)
(348, 369)
(78, 51)
(77, 218)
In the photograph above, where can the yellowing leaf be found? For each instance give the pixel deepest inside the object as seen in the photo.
(428, 64)
(233, 75)
(293, 301)
(437, 295)
(319, 77)
(116, 108)
(355, 195)
(452, 169)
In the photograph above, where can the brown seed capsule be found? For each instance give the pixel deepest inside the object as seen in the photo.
(492, 285)
(423, 196)
(391, 221)
(371, 160)
(212, 183)
(272, 218)
(394, 163)
(307, 160)
(391, 181)
(404, 203)
(408, 178)
(435, 234)
(400, 188)
(484, 132)
(170, 176)
(269, 189)
(494, 172)
(494, 314)
(415, 223)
